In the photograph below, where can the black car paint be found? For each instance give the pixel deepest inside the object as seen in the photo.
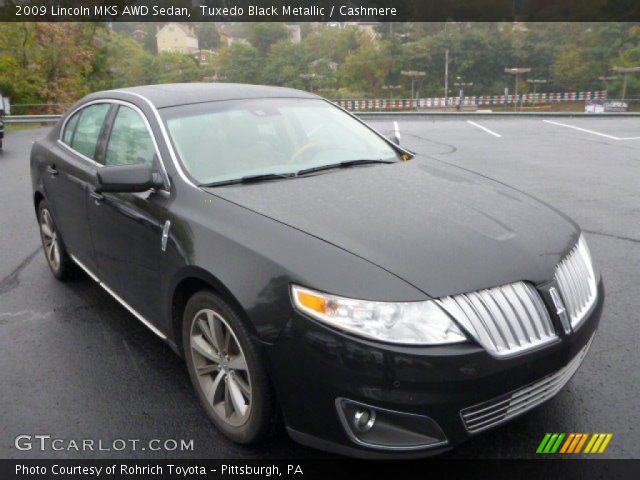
(403, 232)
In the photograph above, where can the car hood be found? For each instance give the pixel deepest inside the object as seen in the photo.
(438, 227)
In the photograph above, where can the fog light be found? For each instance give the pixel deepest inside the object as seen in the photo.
(364, 419)
(376, 427)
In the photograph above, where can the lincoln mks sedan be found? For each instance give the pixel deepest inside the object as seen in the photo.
(314, 274)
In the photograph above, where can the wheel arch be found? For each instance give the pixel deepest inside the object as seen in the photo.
(193, 279)
(37, 198)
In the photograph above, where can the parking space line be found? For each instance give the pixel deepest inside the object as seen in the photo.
(491, 132)
(593, 132)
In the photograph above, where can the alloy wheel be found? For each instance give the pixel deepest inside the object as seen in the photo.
(221, 367)
(50, 240)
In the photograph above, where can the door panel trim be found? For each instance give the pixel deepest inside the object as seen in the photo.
(133, 311)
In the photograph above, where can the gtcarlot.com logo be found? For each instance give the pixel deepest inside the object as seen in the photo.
(573, 443)
(46, 443)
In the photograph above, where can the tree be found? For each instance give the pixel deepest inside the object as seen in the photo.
(333, 43)
(119, 61)
(367, 68)
(570, 69)
(264, 34)
(175, 67)
(17, 81)
(208, 36)
(285, 63)
(240, 63)
(62, 54)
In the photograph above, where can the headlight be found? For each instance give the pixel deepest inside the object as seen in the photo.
(410, 323)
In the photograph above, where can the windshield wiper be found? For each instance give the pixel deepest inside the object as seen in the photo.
(348, 163)
(299, 173)
(249, 179)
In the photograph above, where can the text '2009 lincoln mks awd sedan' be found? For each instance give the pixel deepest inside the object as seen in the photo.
(312, 272)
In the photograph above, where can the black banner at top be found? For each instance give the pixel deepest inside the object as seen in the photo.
(319, 10)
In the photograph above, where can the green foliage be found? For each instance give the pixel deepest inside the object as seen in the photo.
(241, 63)
(570, 68)
(367, 67)
(174, 68)
(60, 62)
(119, 61)
(263, 34)
(285, 63)
(208, 36)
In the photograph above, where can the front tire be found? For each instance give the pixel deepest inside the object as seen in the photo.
(227, 371)
(55, 252)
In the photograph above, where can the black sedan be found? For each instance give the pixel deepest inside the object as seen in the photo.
(312, 272)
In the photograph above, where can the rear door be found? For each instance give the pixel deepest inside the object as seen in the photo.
(70, 173)
(127, 228)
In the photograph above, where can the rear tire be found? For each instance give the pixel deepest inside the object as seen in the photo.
(227, 370)
(55, 252)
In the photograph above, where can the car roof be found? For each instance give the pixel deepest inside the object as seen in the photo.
(172, 94)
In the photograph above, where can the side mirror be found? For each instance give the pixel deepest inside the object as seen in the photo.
(128, 178)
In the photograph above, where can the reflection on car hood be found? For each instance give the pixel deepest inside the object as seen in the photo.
(438, 227)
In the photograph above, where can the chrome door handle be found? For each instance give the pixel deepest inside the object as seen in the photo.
(165, 235)
(52, 170)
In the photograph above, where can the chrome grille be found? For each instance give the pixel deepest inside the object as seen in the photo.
(498, 410)
(577, 282)
(504, 320)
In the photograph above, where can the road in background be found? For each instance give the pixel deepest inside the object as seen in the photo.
(75, 364)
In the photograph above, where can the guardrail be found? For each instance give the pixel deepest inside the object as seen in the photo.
(31, 118)
(46, 119)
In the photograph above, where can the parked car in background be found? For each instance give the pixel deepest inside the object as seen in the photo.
(313, 273)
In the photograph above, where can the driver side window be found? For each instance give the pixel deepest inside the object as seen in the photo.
(129, 142)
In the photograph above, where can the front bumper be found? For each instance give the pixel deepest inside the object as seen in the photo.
(313, 367)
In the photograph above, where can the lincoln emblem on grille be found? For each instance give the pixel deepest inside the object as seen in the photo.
(560, 310)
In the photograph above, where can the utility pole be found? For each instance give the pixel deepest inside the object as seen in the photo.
(413, 74)
(625, 70)
(460, 83)
(446, 76)
(517, 71)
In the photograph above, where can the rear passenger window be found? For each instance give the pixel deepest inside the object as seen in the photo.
(70, 127)
(129, 142)
(85, 138)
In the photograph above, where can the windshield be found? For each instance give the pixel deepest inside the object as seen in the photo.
(227, 140)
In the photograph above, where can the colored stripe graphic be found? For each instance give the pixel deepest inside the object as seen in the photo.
(581, 443)
(576, 441)
(550, 443)
(572, 443)
(555, 447)
(567, 442)
(543, 443)
(607, 439)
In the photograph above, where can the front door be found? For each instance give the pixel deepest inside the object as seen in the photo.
(127, 227)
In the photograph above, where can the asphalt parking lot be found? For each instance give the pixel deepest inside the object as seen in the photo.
(74, 364)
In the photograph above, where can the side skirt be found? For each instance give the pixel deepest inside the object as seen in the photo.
(144, 321)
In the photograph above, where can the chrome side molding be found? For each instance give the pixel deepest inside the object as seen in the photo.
(133, 311)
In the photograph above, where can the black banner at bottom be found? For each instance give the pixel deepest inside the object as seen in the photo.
(311, 469)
